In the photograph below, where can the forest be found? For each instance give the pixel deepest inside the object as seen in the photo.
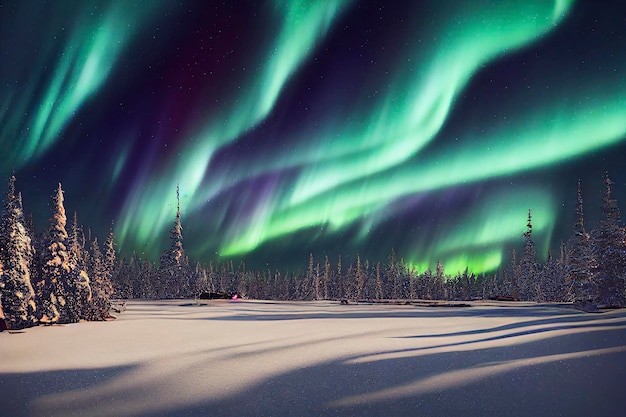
(63, 275)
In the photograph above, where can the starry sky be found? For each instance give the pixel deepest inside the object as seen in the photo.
(316, 126)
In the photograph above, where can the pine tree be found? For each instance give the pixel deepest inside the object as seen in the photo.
(580, 263)
(317, 278)
(308, 286)
(327, 278)
(527, 284)
(609, 251)
(340, 285)
(360, 278)
(392, 275)
(552, 284)
(379, 283)
(58, 288)
(437, 291)
(174, 264)
(100, 271)
(16, 252)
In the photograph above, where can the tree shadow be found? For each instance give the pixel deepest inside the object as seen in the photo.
(578, 379)
(575, 367)
(19, 391)
(571, 317)
(404, 311)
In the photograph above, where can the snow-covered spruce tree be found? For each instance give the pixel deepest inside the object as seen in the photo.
(16, 255)
(437, 290)
(339, 286)
(511, 277)
(326, 280)
(100, 270)
(609, 252)
(308, 285)
(528, 283)
(78, 259)
(552, 280)
(61, 282)
(580, 262)
(359, 276)
(379, 283)
(174, 264)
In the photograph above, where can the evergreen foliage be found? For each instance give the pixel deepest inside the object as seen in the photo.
(174, 270)
(73, 282)
(56, 264)
(580, 259)
(609, 252)
(16, 255)
(527, 279)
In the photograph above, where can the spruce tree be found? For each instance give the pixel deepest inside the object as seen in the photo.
(359, 276)
(16, 253)
(580, 263)
(57, 290)
(340, 285)
(527, 284)
(100, 302)
(327, 278)
(174, 264)
(379, 283)
(609, 251)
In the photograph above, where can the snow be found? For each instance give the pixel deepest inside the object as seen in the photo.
(255, 358)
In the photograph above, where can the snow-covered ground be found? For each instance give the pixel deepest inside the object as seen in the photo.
(254, 358)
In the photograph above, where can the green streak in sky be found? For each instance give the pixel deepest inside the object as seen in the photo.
(358, 172)
(417, 103)
(87, 55)
(475, 240)
(302, 24)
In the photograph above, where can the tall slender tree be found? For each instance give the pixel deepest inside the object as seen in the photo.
(580, 263)
(16, 253)
(528, 282)
(609, 252)
(58, 287)
(174, 264)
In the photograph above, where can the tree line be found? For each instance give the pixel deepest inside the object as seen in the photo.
(59, 276)
(63, 276)
(590, 268)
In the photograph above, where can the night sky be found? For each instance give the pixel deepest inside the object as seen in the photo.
(325, 127)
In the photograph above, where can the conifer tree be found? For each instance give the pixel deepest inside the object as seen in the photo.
(16, 252)
(438, 286)
(58, 287)
(552, 285)
(379, 283)
(511, 277)
(101, 287)
(609, 251)
(359, 276)
(174, 265)
(527, 284)
(327, 278)
(392, 275)
(580, 259)
(340, 284)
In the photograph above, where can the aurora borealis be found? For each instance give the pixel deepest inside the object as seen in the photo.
(325, 127)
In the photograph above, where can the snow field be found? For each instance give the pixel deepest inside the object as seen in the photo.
(255, 358)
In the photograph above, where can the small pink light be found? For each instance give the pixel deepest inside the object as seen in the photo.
(235, 297)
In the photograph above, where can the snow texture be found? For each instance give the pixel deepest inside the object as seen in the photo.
(254, 358)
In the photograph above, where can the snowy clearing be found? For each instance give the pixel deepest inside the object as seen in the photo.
(255, 358)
